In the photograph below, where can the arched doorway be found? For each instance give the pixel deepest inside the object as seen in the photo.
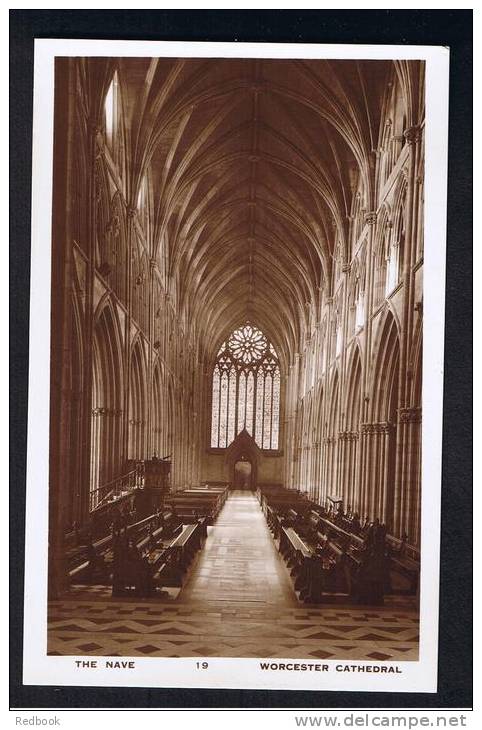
(243, 450)
(242, 474)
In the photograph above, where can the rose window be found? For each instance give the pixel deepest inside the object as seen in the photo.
(247, 344)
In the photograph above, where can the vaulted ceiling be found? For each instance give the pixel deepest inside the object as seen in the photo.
(252, 164)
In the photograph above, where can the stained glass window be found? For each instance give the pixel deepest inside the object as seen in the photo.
(268, 384)
(231, 404)
(275, 409)
(249, 403)
(246, 389)
(242, 401)
(223, 411)
(215, 418)
(259, 407)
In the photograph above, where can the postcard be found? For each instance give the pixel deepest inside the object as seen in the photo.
(236, 365)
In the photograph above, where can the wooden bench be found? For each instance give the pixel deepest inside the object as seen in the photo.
(327, 562)
(92, 563)
(404, 567)
(164, 563)
(197, 503)
(181, 553)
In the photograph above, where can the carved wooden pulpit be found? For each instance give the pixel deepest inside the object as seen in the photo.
(157, 474)
(156, 484)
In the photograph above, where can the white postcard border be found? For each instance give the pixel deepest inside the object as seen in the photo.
(414, 676)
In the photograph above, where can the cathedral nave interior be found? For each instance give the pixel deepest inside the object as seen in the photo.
(236, 382)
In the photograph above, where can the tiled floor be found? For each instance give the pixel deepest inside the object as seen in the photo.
(238, 601)
(240, 561)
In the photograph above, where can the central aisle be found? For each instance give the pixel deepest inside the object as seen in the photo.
(237, 602)
(240, 562)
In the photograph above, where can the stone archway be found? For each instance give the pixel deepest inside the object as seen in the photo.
(243, 450)
(242, 474)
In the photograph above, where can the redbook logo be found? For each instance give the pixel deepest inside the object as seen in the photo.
(37, 721)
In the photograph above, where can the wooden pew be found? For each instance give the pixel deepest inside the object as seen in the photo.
(164, 565)
(404, 568)
(317, 577)
(181, 554)
(92, 563)
(327, 561)
(360, 568)
(296, 554)
(194, 503)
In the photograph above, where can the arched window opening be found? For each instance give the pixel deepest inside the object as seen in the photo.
(323, 347)
(382, 268)
(359, 306)
(246, 388)
(338, 331)
(395, 251)
(391, 255)
(110, 113)
(143, 205)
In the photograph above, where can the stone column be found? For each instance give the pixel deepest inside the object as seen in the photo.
(61, 335)
(347, 445)
(131, 216)
(91, 227)
(386, 479)
(355, 496)
(410, 425)
(343, 465)
(402, 469)
(376, 480)
(370, 220)
(364, 483)
(330, 465)
(316, 472)
(149, 436)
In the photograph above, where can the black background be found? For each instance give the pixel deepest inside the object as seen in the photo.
(452, 28)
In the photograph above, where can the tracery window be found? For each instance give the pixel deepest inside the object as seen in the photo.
(246, 390)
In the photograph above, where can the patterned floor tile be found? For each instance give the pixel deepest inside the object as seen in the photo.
(238, 601)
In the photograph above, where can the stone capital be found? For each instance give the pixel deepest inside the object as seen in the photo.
(95, 128)
(376, 428)
(410, 415)
(348, 435)
(370, 218)
(413, 135)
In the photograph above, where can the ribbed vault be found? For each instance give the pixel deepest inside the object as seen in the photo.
(252, 165)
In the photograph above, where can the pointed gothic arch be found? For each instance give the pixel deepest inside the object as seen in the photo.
(331, 466)
(76, 385)
(107, 402)
(350, 454)
(384, 408)
(243, 447)
(158, 412)
(137, 402)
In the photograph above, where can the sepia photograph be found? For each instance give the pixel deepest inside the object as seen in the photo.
(236, 375)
